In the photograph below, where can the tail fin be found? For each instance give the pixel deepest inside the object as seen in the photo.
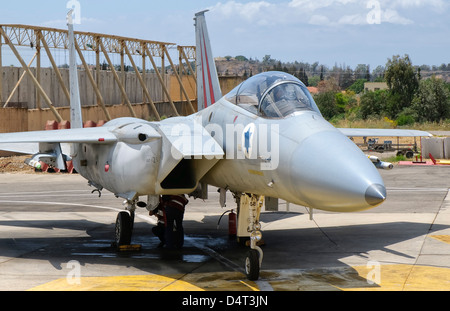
(76, 120)
(208, 87)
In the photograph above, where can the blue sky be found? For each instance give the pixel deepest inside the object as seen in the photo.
(331, 32)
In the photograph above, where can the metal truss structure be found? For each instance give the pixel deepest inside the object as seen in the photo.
(51, 38)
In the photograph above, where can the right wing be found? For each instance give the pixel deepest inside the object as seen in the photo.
(358, 132)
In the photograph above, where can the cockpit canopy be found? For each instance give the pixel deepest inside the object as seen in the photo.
(273, 95)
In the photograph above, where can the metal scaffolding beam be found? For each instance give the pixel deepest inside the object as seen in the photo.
(33, 78)
(24, 35)
(14, 35)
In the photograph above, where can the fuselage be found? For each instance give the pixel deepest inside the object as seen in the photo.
(309, 162)
(301, 159)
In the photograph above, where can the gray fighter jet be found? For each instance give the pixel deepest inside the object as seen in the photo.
(266, 137)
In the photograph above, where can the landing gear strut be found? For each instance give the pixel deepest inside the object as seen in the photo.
(251, 204)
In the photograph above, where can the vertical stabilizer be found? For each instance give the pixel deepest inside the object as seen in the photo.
(76, 120)
(208, 87)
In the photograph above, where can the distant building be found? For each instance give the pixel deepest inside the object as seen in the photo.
(375, 86)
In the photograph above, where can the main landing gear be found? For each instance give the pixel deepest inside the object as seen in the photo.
(249, 226)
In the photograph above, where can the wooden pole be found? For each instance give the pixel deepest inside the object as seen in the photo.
(116, 77)
(33, 78)
(18, 82)
(97, 67)
(180, 72)
(100, 100)
(188, 65)
(144, 87)
(122, 67)
(38, 67)
(161, 81)
(163, 69)
(143, 70)
(1, 70)
(56, 69)
(179, 80)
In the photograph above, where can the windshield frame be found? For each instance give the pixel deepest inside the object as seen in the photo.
(310, 106)
(250, 94)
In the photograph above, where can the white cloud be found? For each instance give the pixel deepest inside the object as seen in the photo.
(351, 12)
(312, 5)
(62, 23)
(356, 19)
(392, 16)
(324, 12)
(319, 20)
(251, 11)
(386, 16)
(439, 4)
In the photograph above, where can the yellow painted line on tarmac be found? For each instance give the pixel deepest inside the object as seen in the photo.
(188, 282)
(403, 278)
(255, 172)
(117, 283)
(362, 278)
(442, 238)
(399, 277)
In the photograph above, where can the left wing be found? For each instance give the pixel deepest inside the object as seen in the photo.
(79, 135)
(357, 132)
(52, 147)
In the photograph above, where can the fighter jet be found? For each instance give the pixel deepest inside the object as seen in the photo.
(266, 138)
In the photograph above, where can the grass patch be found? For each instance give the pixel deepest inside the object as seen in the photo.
(383, 124)
(395, 159)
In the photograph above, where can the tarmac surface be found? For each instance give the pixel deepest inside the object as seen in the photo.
(57, 235)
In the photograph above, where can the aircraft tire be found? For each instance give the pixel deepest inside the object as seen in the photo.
(124, 228)
(252, 265)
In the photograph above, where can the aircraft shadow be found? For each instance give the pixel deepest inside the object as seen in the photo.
(304, 249)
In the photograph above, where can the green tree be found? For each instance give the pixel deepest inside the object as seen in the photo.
(402, 81)
(378, 74)
(266, 60)
(358, 86)
(347, 78)
(372, 104)
(303, 76)
(341, 102)
(313, 81)
(432, 102)
(326, 101)
(241, 58)
(361, 71)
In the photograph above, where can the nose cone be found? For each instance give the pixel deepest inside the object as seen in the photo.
(375, 194)
(329, 172)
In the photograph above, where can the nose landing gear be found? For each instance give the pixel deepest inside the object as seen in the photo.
(249, 211)
(124, 228)
(125, 224)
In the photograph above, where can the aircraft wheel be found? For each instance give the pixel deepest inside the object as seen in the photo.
(409, 154)
(124, 228)
(252, 265)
